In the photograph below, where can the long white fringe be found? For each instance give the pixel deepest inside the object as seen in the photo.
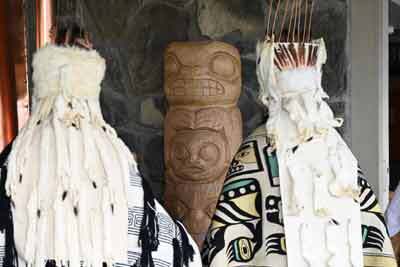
(77, 152)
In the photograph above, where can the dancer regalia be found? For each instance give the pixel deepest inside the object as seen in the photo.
(294, 196)
(76, 196)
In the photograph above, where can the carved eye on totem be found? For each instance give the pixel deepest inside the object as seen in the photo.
(172, 64)
(209, 152)
(240, 250)
(225, 66)
(181, 152)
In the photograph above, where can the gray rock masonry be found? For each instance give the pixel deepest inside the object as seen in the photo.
(132, 35)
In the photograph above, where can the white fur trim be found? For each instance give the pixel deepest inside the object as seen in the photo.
(71, 71)
(295, 81)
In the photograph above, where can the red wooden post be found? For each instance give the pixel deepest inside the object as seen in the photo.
(8, 103)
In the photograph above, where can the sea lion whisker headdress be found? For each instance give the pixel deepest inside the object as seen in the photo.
(297, 18)
(301, 124)
(304, 180)
(290, 66)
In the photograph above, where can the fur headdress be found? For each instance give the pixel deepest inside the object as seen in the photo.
(69, 175)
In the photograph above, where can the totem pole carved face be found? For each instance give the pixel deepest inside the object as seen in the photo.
(198, 155)
(197, 150)
(202, 73)
(203, 128)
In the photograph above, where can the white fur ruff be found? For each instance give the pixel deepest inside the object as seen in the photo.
(70, 71)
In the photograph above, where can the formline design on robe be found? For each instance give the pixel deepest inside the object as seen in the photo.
(248, 230)
(294, 195)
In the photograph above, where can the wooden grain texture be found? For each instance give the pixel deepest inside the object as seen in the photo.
(8, 104)
(203, 128)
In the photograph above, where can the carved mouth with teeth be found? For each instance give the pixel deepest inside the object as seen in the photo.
(196, 87)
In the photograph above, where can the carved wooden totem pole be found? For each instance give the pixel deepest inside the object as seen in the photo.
(203, 128)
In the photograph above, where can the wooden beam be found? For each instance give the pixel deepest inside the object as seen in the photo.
(44, 21)
(8, 101)
(16, 27)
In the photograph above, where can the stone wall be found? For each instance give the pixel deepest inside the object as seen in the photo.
(132, 35)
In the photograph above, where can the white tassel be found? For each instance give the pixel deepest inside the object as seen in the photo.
(117, 198)
(296, 170)
(123, 159)
(42, 243)
(311, 256)
(336, 188)
(112, 190)
(18, 155)
(332, 247)
(344, 167)
(60, 248)
(355, 257)
(96, 223)
(44, 160)
(74, 197)
(84, 233)
(121, 201)
(32, 208)
(42, 186)
(339, 250)
(63, 174)
(298, 115)
(306, 245)
(63, 160)
(89, 149)
(73, 148)
(74, 256)
(107, 224)
(320, 199)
